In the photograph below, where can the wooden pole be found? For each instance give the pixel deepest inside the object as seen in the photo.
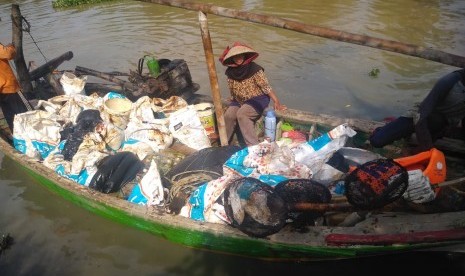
(49, 77)
(364, 40)
(47, 69)
(50, 66)
(207, 47)
(21, 68)
(126, 85)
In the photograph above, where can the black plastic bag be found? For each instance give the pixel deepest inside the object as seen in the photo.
(115, 171)
(86, 122)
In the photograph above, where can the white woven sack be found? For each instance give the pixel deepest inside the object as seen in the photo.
(73, 84)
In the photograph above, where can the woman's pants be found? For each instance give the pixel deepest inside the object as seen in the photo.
(245, 116)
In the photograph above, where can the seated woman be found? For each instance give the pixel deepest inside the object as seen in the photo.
(250, 91)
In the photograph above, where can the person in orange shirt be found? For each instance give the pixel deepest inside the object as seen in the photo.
(10, 100)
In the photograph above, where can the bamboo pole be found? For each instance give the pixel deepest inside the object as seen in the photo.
(207, 46)
(364, 40)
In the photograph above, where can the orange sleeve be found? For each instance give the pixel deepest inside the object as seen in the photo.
(7, 52)
(8, 82)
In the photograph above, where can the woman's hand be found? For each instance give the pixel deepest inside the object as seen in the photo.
(277, 105)
(280, 107)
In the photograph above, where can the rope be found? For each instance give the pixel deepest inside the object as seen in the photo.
(20, 92)
(190, 182)
(25, 101)
(26, 27)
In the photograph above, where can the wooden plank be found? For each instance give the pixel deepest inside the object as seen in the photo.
(446, 144)
(306, 117)
(401, 238)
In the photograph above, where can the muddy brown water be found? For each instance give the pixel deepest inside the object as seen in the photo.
(55, 237)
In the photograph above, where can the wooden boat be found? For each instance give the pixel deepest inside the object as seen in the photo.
(382, 232)
(343, 234)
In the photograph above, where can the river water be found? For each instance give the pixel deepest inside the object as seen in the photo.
(55, 237)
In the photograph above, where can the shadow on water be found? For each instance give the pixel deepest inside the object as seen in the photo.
(6, 242)
(425, 263)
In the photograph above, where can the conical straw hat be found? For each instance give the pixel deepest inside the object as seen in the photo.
(237, 49)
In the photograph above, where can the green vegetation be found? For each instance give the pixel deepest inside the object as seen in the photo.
(72, 3)
(374, 73)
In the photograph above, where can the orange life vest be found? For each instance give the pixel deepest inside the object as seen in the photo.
(431, 162)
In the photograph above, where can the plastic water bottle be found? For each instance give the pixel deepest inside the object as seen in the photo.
(270, 125)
